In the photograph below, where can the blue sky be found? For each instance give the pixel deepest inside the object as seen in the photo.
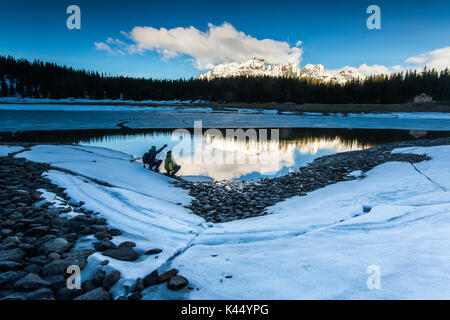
(332, 33)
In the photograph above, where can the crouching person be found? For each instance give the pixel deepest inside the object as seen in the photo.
(170, 165)
(149, 158)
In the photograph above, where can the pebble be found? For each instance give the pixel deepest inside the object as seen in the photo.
(167, 275)
(96, 294)
(153, 251)
(177, 283)
(122, 253)
(111, 279)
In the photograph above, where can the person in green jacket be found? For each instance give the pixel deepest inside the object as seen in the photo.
(170, 165)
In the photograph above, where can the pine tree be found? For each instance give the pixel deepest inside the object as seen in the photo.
(39, 79)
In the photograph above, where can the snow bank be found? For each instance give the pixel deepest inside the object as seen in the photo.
(72, 100)
(252, 111)
(438, 170)
(313, 247)
(5, 150)
(109, 108)
(320, 246)
(404, 115)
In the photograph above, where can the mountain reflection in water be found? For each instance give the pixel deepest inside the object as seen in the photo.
(227, 158)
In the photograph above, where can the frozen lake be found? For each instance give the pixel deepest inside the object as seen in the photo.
(302, 137)
(71, 117)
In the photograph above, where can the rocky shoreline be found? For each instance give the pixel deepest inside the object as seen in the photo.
(37, 239)
(225, 201)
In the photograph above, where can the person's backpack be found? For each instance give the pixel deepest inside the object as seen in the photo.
(146, 158)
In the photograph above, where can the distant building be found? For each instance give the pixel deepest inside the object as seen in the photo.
(422, 98)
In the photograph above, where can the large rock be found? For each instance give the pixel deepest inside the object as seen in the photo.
(58, 245)
(6, 232)
(153, 251)
(111, 279)
(37, 231)
(103, 235)
(7, 279)
(99, 276)
(100, 228)
(167, 275)
(78, 223)
(151, 279)
(32, 268)
(135, 296)
(57, 282)
(40, 294)
(139, 285)
(15, 296)
(88, 285)
(12, 255)
(96, 294)
(30, 282)
(40, 241)
(58, 222)
(127, 244)
(79, 257)
(68, 294)
(114, 232)
(56, 267)
(122, 253)
(9, 265)
(177, 283)
(104, 245)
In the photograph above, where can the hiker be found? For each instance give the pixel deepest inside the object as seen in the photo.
(150, 158)
(170, 165)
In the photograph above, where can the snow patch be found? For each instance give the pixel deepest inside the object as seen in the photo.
(6, 150)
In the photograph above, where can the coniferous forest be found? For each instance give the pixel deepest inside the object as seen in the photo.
(37, 79)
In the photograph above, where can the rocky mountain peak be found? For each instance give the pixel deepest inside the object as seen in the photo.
(257, 66)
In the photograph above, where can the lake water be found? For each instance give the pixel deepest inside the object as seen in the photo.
(213, 154)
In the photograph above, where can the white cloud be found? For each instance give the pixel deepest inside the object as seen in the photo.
(218, 44)
(104, 47)
(115, 42)
(438, 59)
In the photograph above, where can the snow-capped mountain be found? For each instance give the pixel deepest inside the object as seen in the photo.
(315, 71)
(346, 75)
(253, 67)
(258, 67)
(319, 72)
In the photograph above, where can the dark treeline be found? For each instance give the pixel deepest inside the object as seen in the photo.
(19, 77)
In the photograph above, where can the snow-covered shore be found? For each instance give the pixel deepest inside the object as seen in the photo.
(20, 100)
(314, 247)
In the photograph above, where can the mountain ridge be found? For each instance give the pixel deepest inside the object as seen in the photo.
(258, 67)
